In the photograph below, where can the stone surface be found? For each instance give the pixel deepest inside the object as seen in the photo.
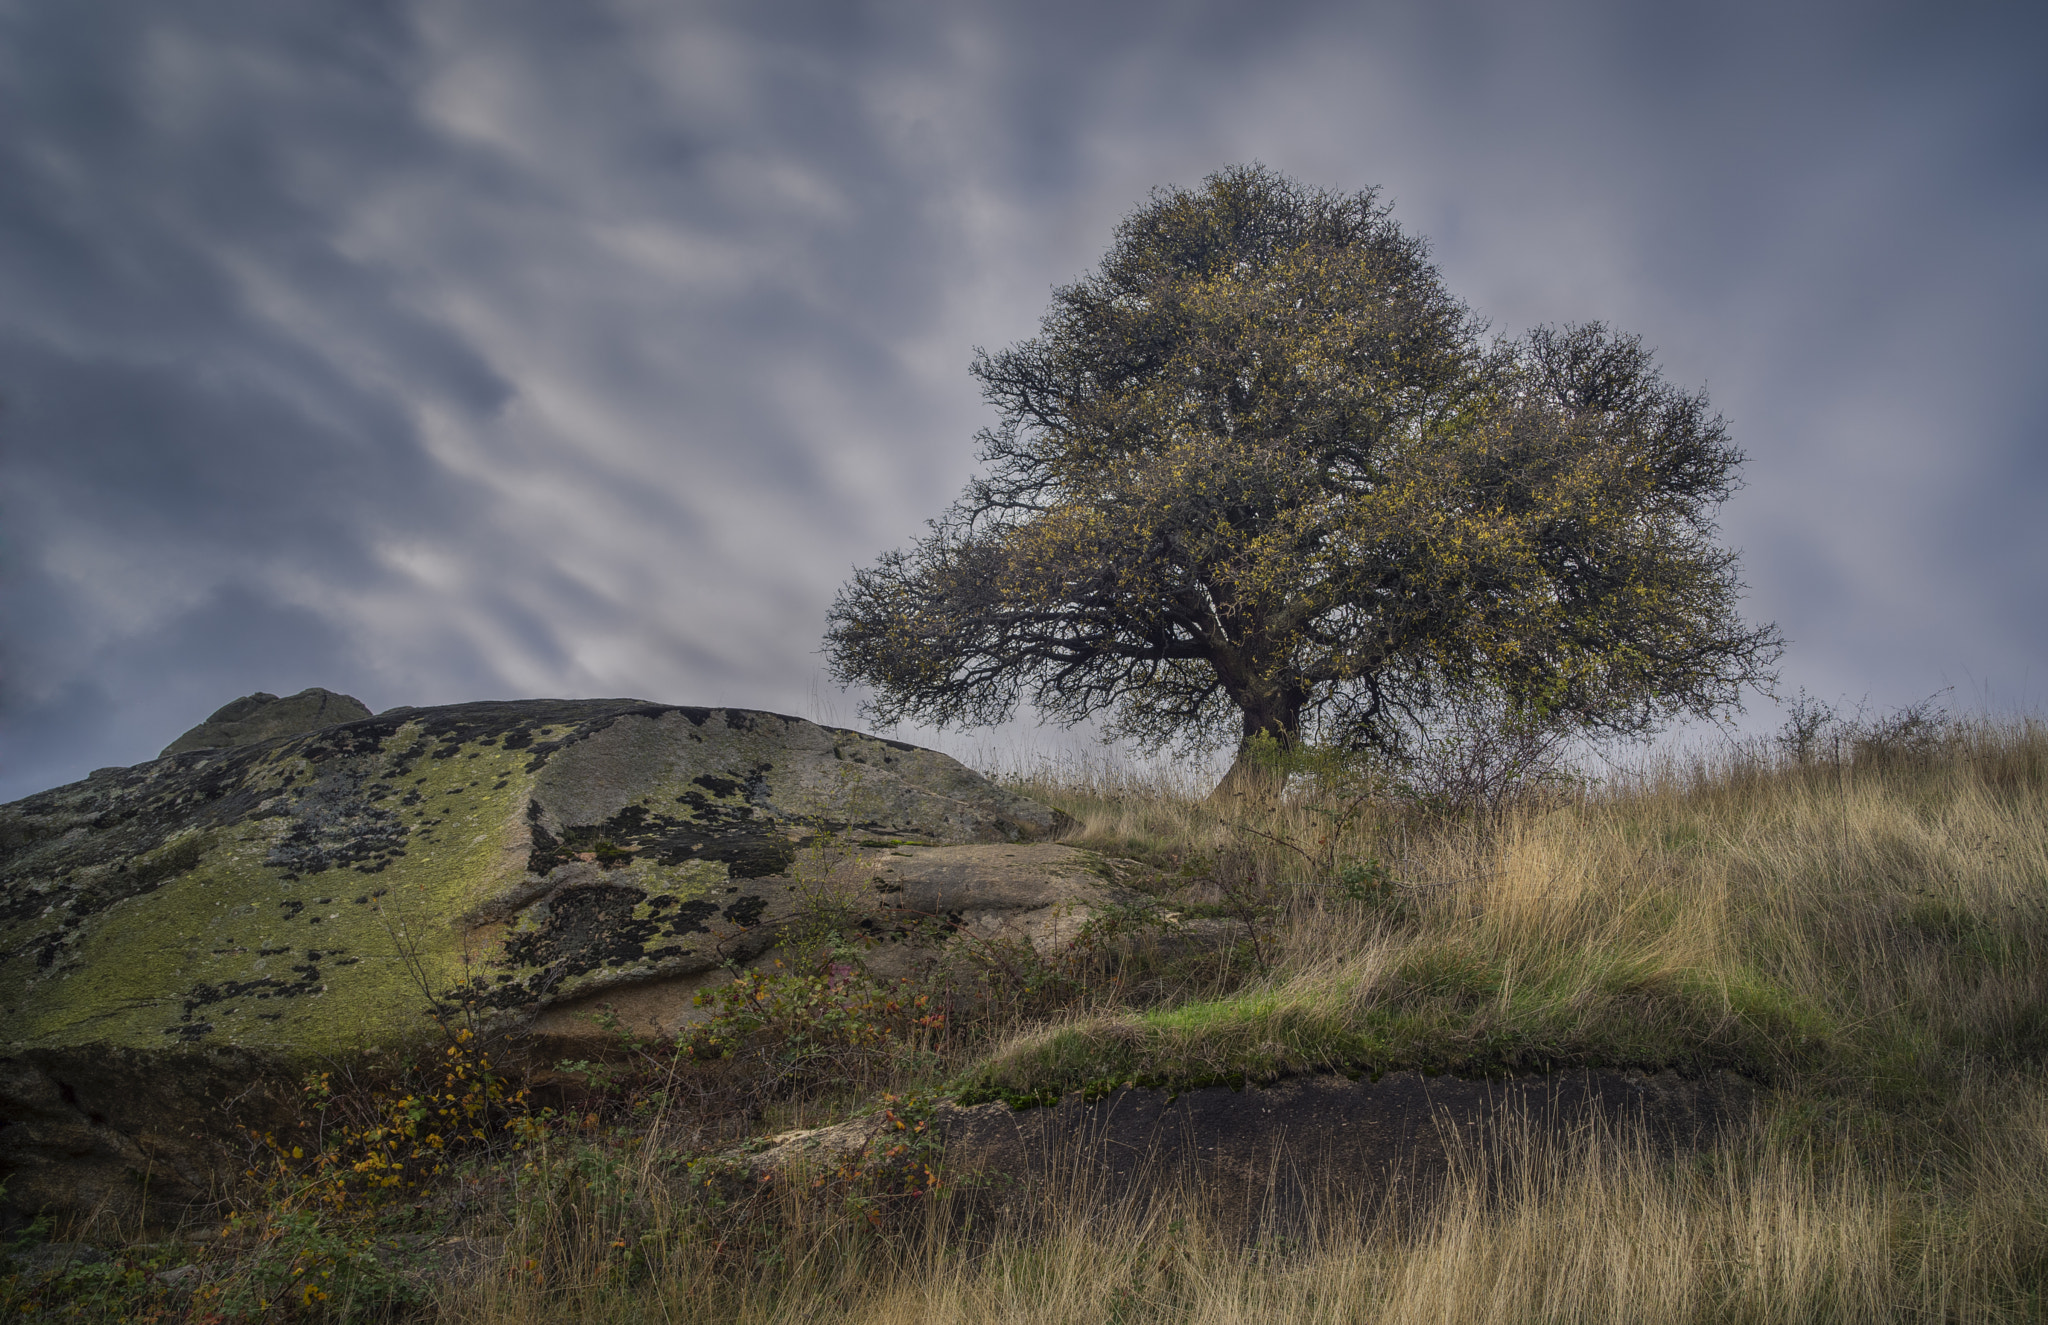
(262, 717)
(233, 913)
(1039, 894)
(912, 908)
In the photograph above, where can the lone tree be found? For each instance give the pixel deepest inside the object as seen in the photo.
(1260, 474)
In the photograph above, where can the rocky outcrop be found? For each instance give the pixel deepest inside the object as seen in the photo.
(315, 895)
(910, 907)
(262, 717)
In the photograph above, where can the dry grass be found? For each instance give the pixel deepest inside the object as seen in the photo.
(1867, 935)
(1873, 932)
(1537, 1227)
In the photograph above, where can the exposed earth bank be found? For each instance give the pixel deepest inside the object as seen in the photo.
(1284, 1152)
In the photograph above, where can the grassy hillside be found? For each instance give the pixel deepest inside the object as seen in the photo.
(1872, 933)
(1863, 934)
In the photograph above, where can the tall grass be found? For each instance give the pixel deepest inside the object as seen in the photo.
(1872, 932)
(1861, 927)
(1864, 934)
(1536, 1226)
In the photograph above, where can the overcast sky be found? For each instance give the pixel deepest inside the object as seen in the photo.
(441, 351)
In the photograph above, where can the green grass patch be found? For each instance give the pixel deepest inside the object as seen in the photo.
(1444, 1009)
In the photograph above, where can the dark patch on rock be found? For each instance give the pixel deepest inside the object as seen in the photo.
(592, 720)
(588, 927)
(336, 824)
(132, 878)
(690, 917)
(726, 830)
(305, 980)
(746, 911)
(547, 852)
(585, 928)
(85, 847)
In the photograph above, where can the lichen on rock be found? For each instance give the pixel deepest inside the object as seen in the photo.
(263, 717)
(320, 894)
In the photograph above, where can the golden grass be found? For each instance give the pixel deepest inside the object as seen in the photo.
(1866, 936)
(1869, 938)
(1870, 931)
(1586, 1227)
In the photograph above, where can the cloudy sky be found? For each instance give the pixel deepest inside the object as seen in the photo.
(471, 349)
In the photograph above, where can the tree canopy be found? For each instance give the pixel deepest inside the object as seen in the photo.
(1263, 473)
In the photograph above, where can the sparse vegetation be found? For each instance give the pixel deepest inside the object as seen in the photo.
(1855, 917)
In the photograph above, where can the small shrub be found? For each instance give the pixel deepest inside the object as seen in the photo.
(390, 1141)
(310, 1240)
(801, 1029)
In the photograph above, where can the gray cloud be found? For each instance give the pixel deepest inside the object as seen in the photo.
(446, 350)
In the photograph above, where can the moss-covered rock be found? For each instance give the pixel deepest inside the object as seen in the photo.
(263, 717)
(315, 896)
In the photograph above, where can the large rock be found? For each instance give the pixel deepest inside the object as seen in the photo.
(262, 717)
(912, 907)
(1039, 895)
(235, 913)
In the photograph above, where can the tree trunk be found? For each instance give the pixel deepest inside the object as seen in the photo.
(1250, 781)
